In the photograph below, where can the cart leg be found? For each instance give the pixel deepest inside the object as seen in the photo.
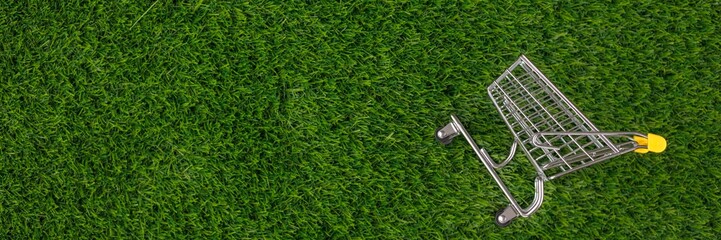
(446, 134)
(505, 216)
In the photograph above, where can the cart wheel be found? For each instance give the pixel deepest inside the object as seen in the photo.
(443, 138)
(505, 217)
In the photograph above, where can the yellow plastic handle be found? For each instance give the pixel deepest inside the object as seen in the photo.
(654, 143)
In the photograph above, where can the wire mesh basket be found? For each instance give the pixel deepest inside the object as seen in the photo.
(550, 131)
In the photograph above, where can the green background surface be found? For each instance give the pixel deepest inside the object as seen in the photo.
(304, 119)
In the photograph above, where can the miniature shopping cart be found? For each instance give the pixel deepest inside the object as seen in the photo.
(555, 136)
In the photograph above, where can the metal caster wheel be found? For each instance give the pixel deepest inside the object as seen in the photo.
(505, 217)
(446, 133)
(442, 137)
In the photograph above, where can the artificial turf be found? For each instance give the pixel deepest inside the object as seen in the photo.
(303, 119)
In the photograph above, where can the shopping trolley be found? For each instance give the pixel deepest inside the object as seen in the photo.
(553, 134)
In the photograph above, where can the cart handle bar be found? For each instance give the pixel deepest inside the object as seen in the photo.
(644, 143)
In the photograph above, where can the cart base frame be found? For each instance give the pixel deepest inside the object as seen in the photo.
(504, 216)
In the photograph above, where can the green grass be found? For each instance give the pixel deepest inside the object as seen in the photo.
(295, 119)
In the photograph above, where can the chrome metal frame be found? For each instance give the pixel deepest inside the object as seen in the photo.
(555, 136)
